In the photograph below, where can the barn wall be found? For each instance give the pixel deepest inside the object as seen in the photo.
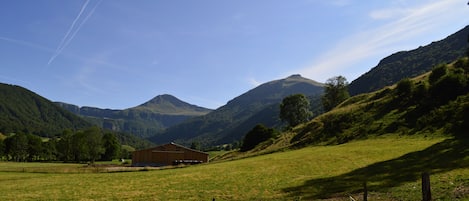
(165, 155)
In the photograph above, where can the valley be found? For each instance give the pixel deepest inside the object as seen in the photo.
(406, 116)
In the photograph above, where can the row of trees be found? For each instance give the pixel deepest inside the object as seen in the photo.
(86, 145)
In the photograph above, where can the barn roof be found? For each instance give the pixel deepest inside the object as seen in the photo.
(178, 145)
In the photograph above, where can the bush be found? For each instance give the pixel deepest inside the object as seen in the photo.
(404, 90)
(462, 63)
(448, 88)
(258, 134)
(437, 73)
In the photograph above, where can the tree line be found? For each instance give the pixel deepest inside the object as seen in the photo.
(88, 145)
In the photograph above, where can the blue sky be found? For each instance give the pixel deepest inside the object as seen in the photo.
(119, 53)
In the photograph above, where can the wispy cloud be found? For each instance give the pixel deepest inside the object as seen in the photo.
(411, 23)
(253, 82)
(72, 31)
(389, 13)
(25, 43)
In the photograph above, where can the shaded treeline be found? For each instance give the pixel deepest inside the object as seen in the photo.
(86, 145)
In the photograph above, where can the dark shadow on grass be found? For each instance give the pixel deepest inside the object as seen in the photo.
(441, 157)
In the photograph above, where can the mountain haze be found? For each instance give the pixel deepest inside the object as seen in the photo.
(231, 121)
(411, 63)
(144, 120)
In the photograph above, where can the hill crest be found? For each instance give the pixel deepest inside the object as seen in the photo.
(170, 105)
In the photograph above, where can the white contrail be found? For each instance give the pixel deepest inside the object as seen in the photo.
(79, 26)
(61, 45)
(72, 30)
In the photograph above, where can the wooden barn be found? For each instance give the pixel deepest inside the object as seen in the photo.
(168, 154)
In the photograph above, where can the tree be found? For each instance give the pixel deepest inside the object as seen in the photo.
(50, 149)
(79, 148)
(65, 145)
(295, 109)
(93, 141)
(17, 147)
(438, 72)
(404, 90)
(35, 148)
(335, 92)
(111, 146)
(2, 148)
(195, 145)
(258, 134)
(448, 87)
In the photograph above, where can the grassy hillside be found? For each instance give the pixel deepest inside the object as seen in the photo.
(435, 103)
(391, 165)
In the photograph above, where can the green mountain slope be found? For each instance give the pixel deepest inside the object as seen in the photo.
(24, 111)
(144, 120)
(231, 121)
(411, 63)
(435, 103)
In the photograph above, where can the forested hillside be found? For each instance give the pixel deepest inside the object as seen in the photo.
(411, 63)
(231, 122)
(22, 111)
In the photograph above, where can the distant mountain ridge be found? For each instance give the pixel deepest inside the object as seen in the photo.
(411, 63)
(231, 121)
(144, 120)
(23, 111)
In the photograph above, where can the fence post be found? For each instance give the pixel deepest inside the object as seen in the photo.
(426, 190)
(365, 192)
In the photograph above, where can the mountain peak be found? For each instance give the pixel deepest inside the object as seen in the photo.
(276, 90)
(168, 104)
(298, 78)
(162, 99)
(294, 76)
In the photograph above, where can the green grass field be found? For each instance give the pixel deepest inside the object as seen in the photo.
(390, 165)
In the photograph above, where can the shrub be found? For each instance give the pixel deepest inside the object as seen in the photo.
(258, 134)
(462, 63)
(448, 88)
(404, 90)
(438, 72)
